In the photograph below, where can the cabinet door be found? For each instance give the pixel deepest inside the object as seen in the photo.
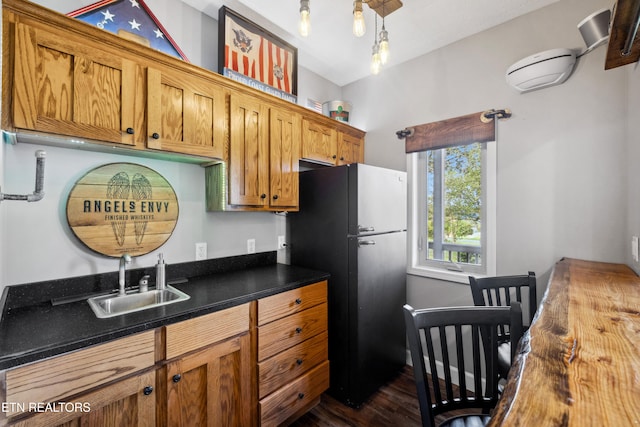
(211, 387)
(65, 85)
(319, 142)
(127, 403)
(186, 114)
(248, 152)
(284, 146)
(350, 149)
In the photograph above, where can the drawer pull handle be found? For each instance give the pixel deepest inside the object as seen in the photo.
(300, 396)
(299, 362)
(176, 378)
(298, 330)
(298, 301)
(147, 390)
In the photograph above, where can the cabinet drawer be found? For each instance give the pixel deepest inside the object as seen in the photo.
(293, 301)
(202, 331)
(282, 368)
(300, 394)
(282, 334)
(53, 379)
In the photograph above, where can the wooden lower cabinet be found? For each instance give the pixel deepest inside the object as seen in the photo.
(292, 354)
(127, 403)
(210, 387)
(264, 362)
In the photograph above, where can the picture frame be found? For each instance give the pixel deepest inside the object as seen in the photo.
(256, 57)
(132, 20)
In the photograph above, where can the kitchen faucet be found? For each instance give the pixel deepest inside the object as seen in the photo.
(124, 260)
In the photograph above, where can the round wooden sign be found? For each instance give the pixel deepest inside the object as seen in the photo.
(122, 208)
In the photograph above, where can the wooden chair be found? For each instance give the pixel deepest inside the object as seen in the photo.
(500, 291)
(465, 341)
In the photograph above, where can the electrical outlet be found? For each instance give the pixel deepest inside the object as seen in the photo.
(281, 242)
(251, 246)
(201, 251)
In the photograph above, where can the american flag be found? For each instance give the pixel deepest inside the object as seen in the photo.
(129, 17)
(257, 57)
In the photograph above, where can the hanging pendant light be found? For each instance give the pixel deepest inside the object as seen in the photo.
(384, 40)
(358, 20)
(375, 59)
(304, 27)
(375, 55)
(384, 45)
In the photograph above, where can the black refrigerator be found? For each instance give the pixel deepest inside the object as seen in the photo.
(352, 224)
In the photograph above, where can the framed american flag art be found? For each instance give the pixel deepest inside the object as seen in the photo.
(252, 55)
(130, 19)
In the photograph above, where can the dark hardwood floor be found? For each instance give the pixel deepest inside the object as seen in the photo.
(395, 404)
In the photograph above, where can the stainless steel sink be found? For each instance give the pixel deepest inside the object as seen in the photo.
(110, 305)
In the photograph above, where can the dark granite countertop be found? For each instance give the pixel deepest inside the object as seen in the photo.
(41, 320)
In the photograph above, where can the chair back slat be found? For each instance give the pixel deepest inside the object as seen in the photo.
(462, 339)
(500, 291)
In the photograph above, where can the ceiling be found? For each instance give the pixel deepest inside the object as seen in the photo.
(332, 51)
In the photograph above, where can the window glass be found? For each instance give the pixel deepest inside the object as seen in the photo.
(450, 225)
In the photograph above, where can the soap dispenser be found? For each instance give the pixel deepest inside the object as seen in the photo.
(161, 280)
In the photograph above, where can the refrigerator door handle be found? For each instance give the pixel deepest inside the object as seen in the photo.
(366, 243)
(363, 229)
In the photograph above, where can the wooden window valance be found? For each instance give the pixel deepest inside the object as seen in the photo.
(463, 130)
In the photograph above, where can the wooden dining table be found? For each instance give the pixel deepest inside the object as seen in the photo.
(579, 362)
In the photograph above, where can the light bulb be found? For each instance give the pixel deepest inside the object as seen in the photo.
(358, 20)
(375, 59)
(384, 46)
(304, 26)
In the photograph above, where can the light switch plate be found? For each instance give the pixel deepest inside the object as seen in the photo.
(634, 248)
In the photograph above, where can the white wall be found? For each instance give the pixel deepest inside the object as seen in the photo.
(562, 157)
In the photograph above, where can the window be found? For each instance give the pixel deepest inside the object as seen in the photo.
(452, 211)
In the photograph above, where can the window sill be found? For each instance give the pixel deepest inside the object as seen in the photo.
(440, 274)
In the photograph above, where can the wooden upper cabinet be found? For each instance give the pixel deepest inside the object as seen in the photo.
(186, 114)
(350, 148)
(284, 146)
(319, 142)
(249, 152)
(70, 86)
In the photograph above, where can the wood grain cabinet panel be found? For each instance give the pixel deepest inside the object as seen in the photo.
(212, 386)
(186, 114)
(292, 354)
(295, 398)
(127, 403)
(54, 379)
(283, 304)
(249, 152)
(284, 148)
(350, 148)
(70, 86)
(319, 142)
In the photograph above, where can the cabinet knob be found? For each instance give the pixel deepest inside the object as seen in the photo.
(341, 159)
(299, 362)
(147, 390)
(130, 131)
(176, 378)
(300, 396)
(298, 330)
(334, 157)
(155, 135)
(275, 197)
(263, 196)
(298, 301)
